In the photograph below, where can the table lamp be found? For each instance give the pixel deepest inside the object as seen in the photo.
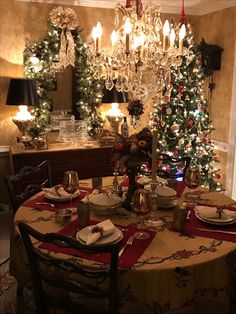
(114, 116)
(22, 93)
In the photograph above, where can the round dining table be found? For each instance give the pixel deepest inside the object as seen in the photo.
(192, 271)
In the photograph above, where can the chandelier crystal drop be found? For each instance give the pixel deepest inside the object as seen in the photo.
(143, 50)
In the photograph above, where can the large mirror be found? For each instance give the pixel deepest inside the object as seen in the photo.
(64, 76)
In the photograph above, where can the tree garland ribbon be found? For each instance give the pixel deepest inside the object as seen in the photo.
(66, 19)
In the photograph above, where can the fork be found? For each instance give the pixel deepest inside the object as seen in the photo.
(45, 203)
(128, 243)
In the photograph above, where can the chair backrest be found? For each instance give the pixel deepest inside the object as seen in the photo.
(172, 167)
(63, 283)
(27, 182)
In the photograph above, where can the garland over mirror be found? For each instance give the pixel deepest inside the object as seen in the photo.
(64, 46)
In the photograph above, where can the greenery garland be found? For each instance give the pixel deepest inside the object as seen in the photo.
(38, 61)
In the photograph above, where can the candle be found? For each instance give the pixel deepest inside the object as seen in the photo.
(182, 33)
(172, 38)
(154, 155)
(97, 34)
(114, 38)
(127, 29)
(166, 30)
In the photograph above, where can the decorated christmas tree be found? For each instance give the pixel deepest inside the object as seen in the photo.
(182, 117)
(62, 46)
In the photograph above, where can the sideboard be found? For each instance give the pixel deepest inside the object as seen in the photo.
(87, 161)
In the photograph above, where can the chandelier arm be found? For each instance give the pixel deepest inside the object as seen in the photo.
(123, 10)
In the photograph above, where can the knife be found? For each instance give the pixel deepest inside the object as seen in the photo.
(216, 230)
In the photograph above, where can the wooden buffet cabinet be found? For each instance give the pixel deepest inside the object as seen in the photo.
(87, 161)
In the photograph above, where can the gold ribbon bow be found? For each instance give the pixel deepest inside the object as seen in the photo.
(66, 19)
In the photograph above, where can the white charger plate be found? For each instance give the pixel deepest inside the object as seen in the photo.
(216, 221)
(61, 198)
(113, 237)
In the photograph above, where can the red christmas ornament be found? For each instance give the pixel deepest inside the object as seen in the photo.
(163, 108)
(189, 123)
(176, 152)
(181, 87)
(217, 176)
(204, 140)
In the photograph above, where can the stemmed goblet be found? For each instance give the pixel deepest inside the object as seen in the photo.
(70, 182)
(192, 180)
(141, 206)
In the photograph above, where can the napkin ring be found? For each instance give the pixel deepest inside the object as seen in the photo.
(98, 229)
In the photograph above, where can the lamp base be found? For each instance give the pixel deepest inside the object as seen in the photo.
(115, 122)
(23, 126)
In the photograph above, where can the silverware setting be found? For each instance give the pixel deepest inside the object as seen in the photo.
(216, 230)
(128, 243)
(47, 204)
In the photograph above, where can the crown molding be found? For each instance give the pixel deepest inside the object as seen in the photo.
(192, 7)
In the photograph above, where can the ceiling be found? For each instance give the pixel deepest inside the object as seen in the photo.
(192, 7)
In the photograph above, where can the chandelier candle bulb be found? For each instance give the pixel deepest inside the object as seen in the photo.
(182, 33)
(127, 29)
(114, 39)
(154, 155)
(172, 38)
(97, 34)
(166, 31)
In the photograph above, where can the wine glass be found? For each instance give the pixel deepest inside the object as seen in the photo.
(192, 180)
(70, 182)
(141, 205)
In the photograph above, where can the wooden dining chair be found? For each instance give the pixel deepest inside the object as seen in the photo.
(28, 181)
(63, 283)
(172, 167)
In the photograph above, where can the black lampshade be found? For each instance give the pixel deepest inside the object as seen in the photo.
(22, 91)
(113, 96)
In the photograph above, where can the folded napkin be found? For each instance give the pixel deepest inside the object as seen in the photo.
(58, 191)
(99, 230)
(212, 212)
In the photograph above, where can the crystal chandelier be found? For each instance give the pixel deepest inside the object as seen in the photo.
(143, 50)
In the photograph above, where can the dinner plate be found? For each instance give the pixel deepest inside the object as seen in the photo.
(216, 221)
(61, 198)
(113, 237)
(146, 180)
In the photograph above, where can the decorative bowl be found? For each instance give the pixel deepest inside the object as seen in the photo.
(104, 204)
(166, 196)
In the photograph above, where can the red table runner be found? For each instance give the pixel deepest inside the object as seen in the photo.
(128, 258)
(194, 223)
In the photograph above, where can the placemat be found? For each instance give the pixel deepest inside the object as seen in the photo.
(194, 223)
(42, 199)
(179, 186)
(128, 258)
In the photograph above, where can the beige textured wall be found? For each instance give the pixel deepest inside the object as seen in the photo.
(219, 28)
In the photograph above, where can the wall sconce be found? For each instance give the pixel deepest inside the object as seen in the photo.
(22, 93)
(114, 116)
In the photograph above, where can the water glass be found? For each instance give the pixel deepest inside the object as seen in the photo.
(83, 212)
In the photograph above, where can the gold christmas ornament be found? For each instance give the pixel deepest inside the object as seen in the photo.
(175, 128)
(66, 19)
